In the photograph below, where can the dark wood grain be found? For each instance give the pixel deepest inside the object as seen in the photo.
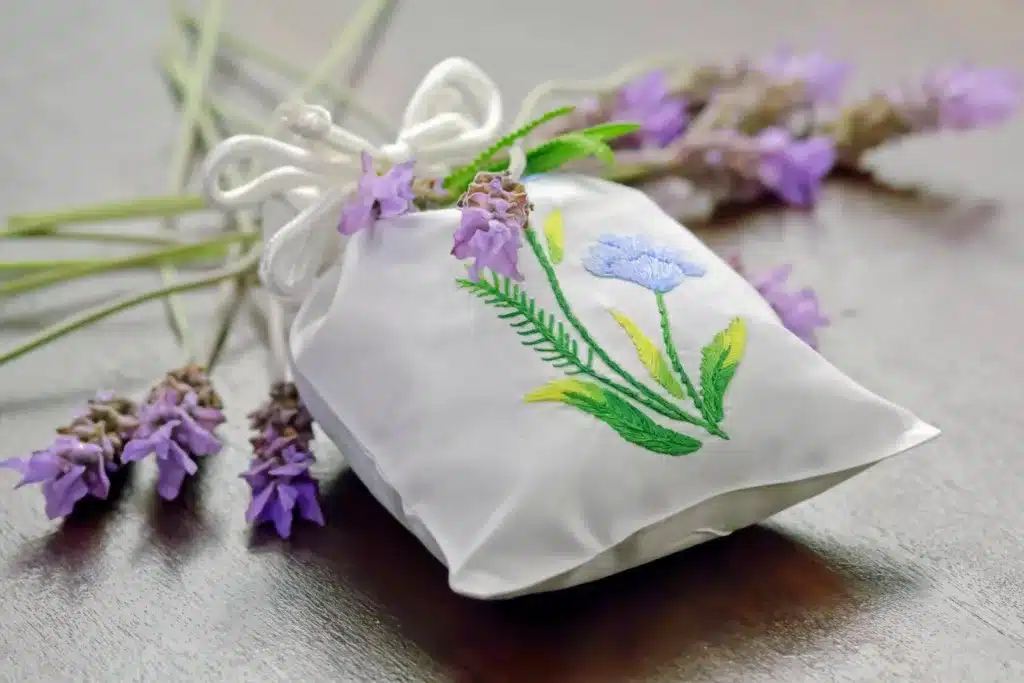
(913, 571)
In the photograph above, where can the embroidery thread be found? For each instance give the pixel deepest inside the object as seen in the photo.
(594, 382)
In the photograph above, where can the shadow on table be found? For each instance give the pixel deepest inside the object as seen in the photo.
(727, 593)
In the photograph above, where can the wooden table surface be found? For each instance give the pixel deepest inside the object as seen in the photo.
(913, 571)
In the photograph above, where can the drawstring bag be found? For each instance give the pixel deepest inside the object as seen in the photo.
(551, 381)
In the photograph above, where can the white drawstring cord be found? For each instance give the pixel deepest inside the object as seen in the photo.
(452, 116)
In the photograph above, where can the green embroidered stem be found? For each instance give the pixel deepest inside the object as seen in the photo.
(246, 264)
(677, 365)
(665, 408)
(547, 336)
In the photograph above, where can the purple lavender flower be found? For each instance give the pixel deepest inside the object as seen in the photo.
(69, 470)
(648, 101)
(794, 169)
(495, 210)
(823, 78)
(79, 462)
(959, 99)
(176, 426)
(378, 196)
(282, 484)
(798, 311)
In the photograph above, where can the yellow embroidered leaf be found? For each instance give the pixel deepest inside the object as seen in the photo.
(560, 390)
(555, 237)
(719, 360)
(649, 354)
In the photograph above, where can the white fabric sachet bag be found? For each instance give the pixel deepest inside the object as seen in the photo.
(629, 397)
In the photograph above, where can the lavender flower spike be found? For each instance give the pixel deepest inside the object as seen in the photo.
(69, 470)
(282, 484)
(176, 426)
(82, 458)
(377, 196)
(495, 210)
(959, 99)
(279, 473)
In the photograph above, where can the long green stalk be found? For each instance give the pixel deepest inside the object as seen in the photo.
(147, 207)
(245, 265)
(260, 55)
(181, 155)
(52, 232)
(59, 272)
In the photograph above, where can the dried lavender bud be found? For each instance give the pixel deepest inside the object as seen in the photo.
(282, 415)
(488, 189)
(190, 379)
(495, 210)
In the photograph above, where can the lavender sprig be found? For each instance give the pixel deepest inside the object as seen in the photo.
(799, 311)
(495, 210)
(176, 425)
(953, 99)
(83, 456)
(279, 473)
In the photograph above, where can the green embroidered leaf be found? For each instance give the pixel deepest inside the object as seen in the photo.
(627, 420)
(555, 237)
(460, 179)
(718, 364)
(650, 355)
(536, 328)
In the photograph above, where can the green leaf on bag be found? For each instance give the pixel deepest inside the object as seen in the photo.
(626, 419)
(718, 364)
(649, 355)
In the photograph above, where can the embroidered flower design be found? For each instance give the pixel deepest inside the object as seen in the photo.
(494, 213)
(383, 195)
(635, 259)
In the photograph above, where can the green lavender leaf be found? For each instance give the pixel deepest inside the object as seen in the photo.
(536, 328)
(460, 179)
(565, 148)
(626, 419)
(718, 364)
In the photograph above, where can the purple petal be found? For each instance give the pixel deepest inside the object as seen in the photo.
(283, 510)
(171, 476)
(259, 503)
(62, 493)
(307, 496)
(292, 469)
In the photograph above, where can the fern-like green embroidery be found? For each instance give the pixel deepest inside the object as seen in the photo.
(536, 328)
(627, 420)
(462, 177)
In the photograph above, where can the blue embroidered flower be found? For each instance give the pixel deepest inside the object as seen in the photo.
(635, 259)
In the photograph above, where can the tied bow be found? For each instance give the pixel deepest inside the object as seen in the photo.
(438, 133)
